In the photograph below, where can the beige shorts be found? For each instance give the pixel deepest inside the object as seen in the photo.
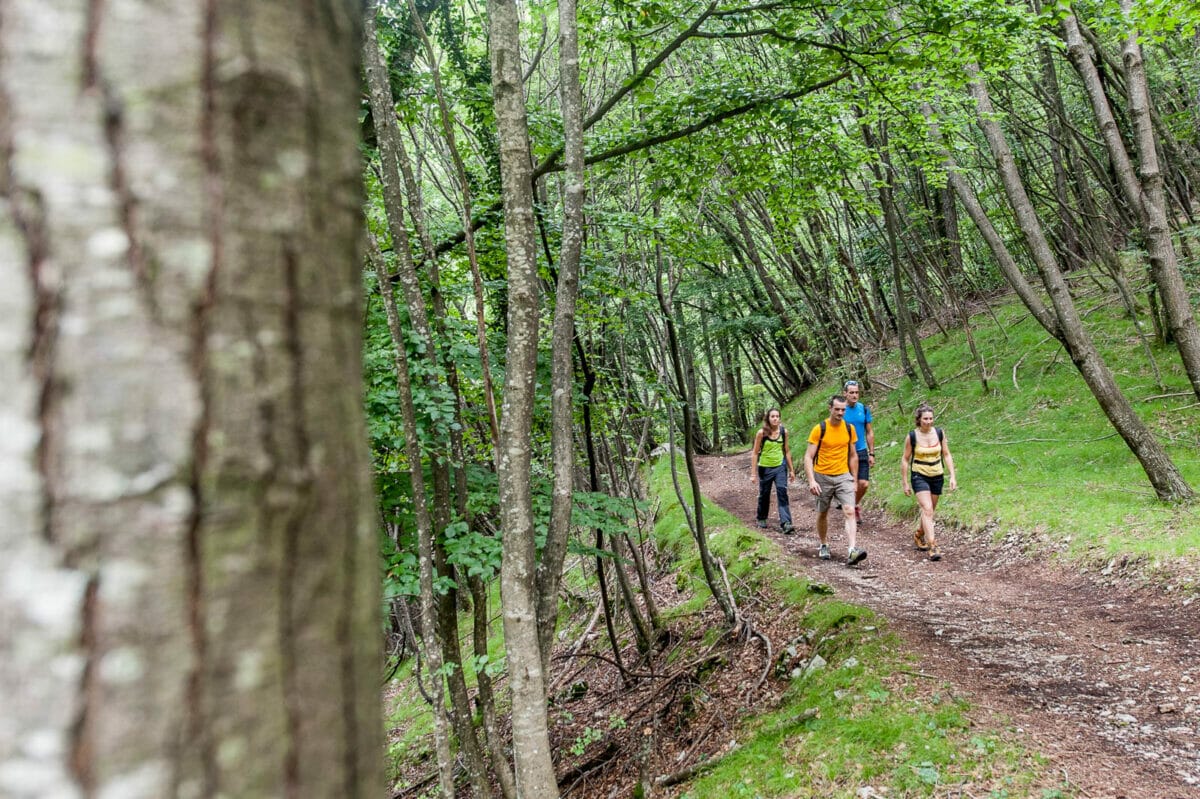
(834, 488)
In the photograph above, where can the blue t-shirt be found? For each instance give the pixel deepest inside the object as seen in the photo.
(859, 415)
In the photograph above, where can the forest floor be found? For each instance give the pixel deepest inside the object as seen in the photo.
(1100, 673)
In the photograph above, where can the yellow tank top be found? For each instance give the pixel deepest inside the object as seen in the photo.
(927, 460)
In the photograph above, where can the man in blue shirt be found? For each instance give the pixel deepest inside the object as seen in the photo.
(859, 415)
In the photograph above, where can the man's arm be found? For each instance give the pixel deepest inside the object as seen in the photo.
(808, 468)
(870, 441)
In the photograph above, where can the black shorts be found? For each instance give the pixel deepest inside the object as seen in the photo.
(864, 466)
(931, 484)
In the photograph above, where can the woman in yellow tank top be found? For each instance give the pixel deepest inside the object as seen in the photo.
(923, 468)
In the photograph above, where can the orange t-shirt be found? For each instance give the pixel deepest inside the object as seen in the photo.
(834, 452)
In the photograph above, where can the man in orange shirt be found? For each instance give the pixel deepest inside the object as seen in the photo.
(831, 463)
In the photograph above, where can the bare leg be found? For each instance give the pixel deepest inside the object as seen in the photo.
(860, 491)
(927, 501)
(823, 525)
(851, 527)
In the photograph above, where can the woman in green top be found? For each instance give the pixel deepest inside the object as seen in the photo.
(772, 465)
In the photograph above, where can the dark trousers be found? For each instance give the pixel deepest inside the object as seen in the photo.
(777, 475)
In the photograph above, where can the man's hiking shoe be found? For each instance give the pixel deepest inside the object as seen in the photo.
(787, 528)
(762, 524)
(935, 553)
(856, 556)
(919, 541)
(823, 552)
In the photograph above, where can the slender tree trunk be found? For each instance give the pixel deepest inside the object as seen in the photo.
(531, 742)
(429, 626)
(714, 390)
(485, 367)
(737, 404)
(1163, 474)
(1145, 197)
(1163, 264)
(562, 376)
(481, 630)
(892, 223)
(396, 171)
(696, 514)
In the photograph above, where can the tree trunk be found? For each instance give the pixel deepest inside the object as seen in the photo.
(1146, 196)
(191, 594)
(695, 515)
(562, 372)
(531, 741)
(412, 446)
(396, 171)
(1164, 267)
(1163, 474)
(891, 220)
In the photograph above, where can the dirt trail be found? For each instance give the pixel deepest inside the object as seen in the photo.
(1106, 679)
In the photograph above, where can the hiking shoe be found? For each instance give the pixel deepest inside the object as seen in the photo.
(919, 541)
(856, 556)
(935, 553)
(823, 552)
(787, 528)
(762, 524)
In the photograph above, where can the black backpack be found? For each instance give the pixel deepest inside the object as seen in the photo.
(912, 443)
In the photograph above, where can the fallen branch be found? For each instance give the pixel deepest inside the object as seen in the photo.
(1166, 396)
(668, 780)
(770, 658)
(1043, 440)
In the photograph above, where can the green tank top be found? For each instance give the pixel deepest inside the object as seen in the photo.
(771, 454)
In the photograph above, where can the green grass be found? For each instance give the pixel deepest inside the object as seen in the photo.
(865, 719)
(1039, 458)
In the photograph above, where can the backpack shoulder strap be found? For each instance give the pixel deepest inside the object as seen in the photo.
(820, 438)
(941, 434)
(912, 441)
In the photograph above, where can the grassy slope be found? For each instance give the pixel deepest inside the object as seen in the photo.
(1039, 458)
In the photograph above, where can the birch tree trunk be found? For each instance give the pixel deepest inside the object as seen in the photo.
(531, 740)
(190, 588)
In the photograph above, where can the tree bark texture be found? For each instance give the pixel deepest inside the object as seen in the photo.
(531, 741)
(190, 584)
